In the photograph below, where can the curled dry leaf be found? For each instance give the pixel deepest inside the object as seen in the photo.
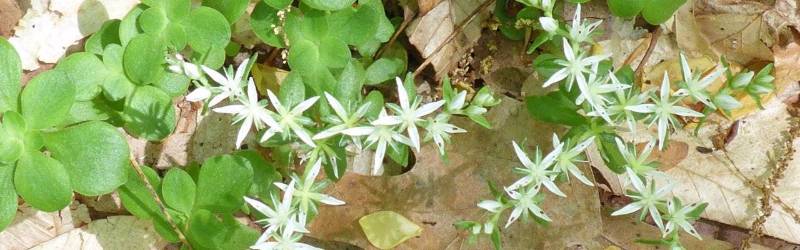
(433, 193)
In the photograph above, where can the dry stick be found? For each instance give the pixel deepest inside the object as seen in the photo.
(650, 48)
(406, 20)
(158, 201)
(452, 35)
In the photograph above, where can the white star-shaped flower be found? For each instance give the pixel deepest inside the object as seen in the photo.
(291, 119)
(381, 135)
(617, 108)
(288, 239)
(537, 172)
(439, 131)
(525, 202)
(572, 154)
(178, 65)
(408, 114)
(645, 197)
(695, 86)
(307, 192)
(230, 85)
(574, 66)
(580, 32)
(594, 92)
(250, 112)
(638, 162)
(679, 216)
(343, 120)
(282, 217)
(662, 110)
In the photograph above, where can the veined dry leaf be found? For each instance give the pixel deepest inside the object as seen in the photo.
(426, 5)
(435, 194)
(710, 177)
(115, 232)
(32, 227)
(429, 32)
(50, 27)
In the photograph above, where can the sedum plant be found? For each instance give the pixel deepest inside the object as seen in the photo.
(50, 146)
(597, 102)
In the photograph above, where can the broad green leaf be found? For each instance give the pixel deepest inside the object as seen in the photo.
(15, 124)
(86, 72)
(10, 74)
(139, 201)
(43, 182)
(128, 28)
(231, 9)
(143, 59)
(554, 108)
(264, 174)
(223, 182)
(116, 86)
(205, 230)
(12, 132)
(351, 80)
(659, 11)
(399, 154)
(328, 4)
(95, 155)
(149, 114)
(387, 229)
(375, 98)
(333, 52)
(626, 8)
(386, 68)
(507, 22)
(309, 25)
(172, 84)
(278, 4)
(46, 99)
(94, 110)
(238, 236)
(304, 56)
(33, 140)
(610, 153)
(263, 21)
(292, 90)
(206, 28)
(154, 21)
(8, 196)
(213, 57)
(358, 25)
(107, 34)
(178, 190)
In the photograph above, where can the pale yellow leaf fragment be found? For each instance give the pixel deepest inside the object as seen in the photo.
(387, 229)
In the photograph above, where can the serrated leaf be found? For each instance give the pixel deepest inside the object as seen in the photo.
(43, 182)
(149, 114)
(222, 183)
(43, 107)
(93, 169)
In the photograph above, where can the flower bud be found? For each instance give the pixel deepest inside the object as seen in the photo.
(548, 24)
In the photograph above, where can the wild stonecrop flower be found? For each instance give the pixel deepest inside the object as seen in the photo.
(250, 112)
(291, 119)
(408, 114)
(230, 85)
(646, 197)
(574, 65)
(694, 85)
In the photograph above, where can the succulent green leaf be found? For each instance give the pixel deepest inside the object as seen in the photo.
(107, 34)
(206, 28)
(8, 196)
(149, 114)
(263, 21)
(222, 183)
(376, 102)
(292, 90)
(10, 74)
(178, 190)
(351, 80)
(95, 155)
(143, 59)
(42, 181)
(42, 105)
(86, 72)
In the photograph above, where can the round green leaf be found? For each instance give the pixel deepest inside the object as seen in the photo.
(46, 99)
(138, 200)
(231, 9)
(8, 196)
(10, 147)
(128, 28)
(384, 69)
(116, 86)
(333, 52)
(264, 174)
(329, 4)
(42, 182)
(178, 190)
(107, 34)
(143, 59)
(86, 71)
(263, 20)
(292, 90)
(172, 84)
(625, 8)
(10, 73)
(303, 56)
(358, 26)
(153, 21)
(95, 155)
(659, 11)
(149, 114)
(222, 183)
(278, 4)
(351, 80)
(206, 27)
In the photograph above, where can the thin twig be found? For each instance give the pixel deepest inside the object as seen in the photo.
(452, 35)
(163, 208)
(650, 48)
(408, 15)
